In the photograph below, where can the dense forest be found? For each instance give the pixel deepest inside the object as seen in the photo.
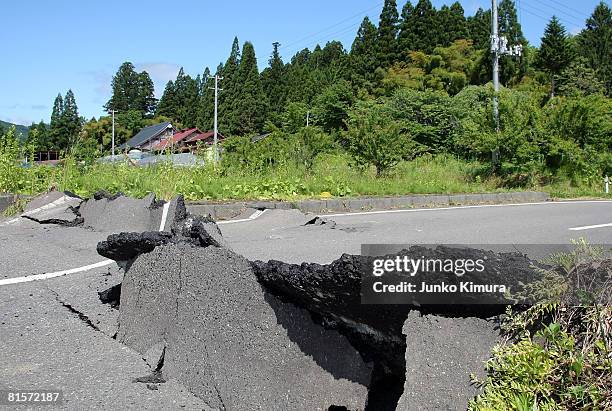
(418, 81)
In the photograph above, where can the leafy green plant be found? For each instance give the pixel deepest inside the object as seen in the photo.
(558, 355)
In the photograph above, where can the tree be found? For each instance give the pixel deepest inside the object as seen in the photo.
(457, 24)
(362, 56)
(555, 53)
(132, 91)
(207, 102)
(251, 103)
(405, 40)
(145, 99)
(228, 121)
(168, 104)
(374, 139)
(510, 28)
(71, 122)
(386, 45)
(273, 81)
(331, 106)
(578, 79)
(423, 28)
(56, 123)
(479, 29)
(595, 43)
(186, 94)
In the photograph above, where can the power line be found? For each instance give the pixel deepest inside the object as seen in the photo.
(554, 7)
(359, 14)
(566, 20)
(573, 10)
(318, 41)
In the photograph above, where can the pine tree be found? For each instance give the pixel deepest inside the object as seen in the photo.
(228, 122)
(207, 102)
(71, 122)
(362, 57)
(186, 94)
(555, 52)
(405, 40)
(300, 78)
(145, 98)
(479, 29)
(386, 45)
(274, 83)
(131, 91)
(168, 104)
(596, 44)
(251, 104)
(457, 24)
(510, 28)
(42, 138)
(423, 26)
(55, 132)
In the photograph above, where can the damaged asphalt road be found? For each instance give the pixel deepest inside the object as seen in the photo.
(198, 315)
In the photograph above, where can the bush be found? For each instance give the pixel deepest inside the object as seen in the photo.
(374, 138)
(559, 353)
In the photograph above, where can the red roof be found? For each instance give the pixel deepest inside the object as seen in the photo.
(161, 145)
(204, 136)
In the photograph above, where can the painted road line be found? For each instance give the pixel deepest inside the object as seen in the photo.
(164, 216)
(57, 203)
(412, 210)
(46, 276)
(589, 227)
(255, 215)
(103, 263)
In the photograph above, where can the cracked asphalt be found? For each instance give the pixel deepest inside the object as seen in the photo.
(45, 344)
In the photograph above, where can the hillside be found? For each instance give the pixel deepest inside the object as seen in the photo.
(21, 130)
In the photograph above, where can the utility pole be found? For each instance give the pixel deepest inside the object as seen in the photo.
(495, 51)
(215, 138)
(499, 47)
(307, 118)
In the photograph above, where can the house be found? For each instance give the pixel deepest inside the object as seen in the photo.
(206, 138)
(175, 142)
(148, 137)
(186, 140)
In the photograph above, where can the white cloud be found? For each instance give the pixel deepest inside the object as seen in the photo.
(162, 72)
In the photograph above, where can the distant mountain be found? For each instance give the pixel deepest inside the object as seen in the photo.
(22, 131)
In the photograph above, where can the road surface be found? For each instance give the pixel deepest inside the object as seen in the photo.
(55, 334)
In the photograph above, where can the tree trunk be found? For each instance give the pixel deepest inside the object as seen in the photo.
(552, 85)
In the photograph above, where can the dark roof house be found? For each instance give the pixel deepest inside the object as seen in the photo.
(149, 136)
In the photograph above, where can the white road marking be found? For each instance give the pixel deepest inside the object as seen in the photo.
(46, 276)
(259, 213)
(255, 215)
(412, 210)
(57, 203)
(588, 227)
(164, 216)
(103, 263)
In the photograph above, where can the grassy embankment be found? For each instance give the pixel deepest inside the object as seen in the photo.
(331, 174)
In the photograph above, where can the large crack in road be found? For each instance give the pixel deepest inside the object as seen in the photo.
(245, 335)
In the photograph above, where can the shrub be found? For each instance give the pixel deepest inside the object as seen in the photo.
(374, 138)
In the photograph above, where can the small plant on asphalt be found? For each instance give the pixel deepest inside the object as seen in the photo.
(558, 354)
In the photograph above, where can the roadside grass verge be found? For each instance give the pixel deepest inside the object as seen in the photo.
(331, 175)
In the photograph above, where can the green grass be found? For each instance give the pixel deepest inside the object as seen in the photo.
(331, 173)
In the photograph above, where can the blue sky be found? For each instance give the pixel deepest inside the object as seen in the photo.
(51, 46)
